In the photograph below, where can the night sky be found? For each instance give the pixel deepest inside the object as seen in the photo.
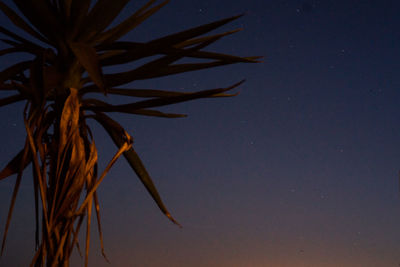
(300, 169)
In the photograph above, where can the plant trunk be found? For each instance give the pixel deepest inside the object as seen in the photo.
(61, 178)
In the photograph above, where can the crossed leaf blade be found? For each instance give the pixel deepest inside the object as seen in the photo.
(77, 43)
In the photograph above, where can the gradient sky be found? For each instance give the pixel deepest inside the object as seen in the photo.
(300, 169)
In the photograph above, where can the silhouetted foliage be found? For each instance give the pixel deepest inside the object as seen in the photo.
(79, 43)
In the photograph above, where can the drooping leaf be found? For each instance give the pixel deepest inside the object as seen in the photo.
(97, 208)
(89, 220)
(60, 177)
(115, 131)
(42, 186)
(21, 167)
(36, 196)
(125, 146)
(14, 165)
(90, 182)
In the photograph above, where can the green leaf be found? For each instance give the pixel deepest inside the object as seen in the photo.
(87, 56)
(115, 130)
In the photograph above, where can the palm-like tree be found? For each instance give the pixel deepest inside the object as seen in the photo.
(76, 43)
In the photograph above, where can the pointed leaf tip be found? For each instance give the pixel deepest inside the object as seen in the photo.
(115, 130)
(173, 220)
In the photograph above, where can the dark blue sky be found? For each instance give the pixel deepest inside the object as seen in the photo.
(300, 169)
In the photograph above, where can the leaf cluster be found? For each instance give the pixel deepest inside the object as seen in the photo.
(70, 44)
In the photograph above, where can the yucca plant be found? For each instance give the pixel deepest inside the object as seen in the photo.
(76, 43)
